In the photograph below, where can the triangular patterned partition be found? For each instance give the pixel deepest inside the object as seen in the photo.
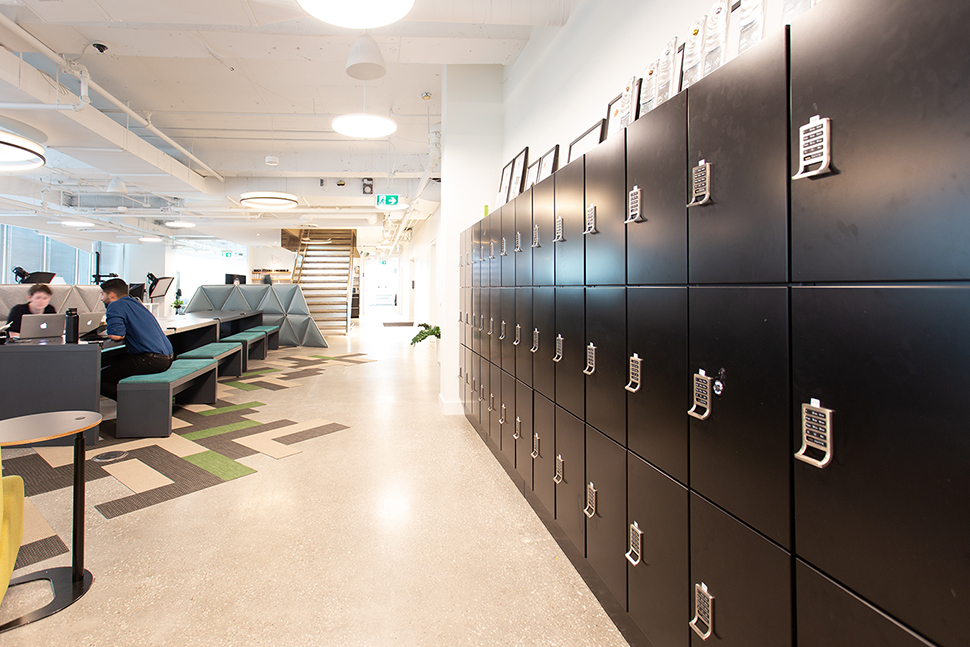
(271, 303)
(199, 302)
(86, 298)
(254, 296)
(218, 295)
(236, 301)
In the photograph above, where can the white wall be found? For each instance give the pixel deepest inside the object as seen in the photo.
(142, 259)
(269, 257)
(194, 268)
(425, 236)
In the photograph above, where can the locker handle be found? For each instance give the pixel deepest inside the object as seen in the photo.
(535, 446)
(535, 341)
(503, 252)
(590, 359)
(501, 335)
(518, 335)
(590, 220)
(501, 419)
(535, 237)
(816, 434)
(491, 326)
(481, 325)
(702, 396)
(518, 428)
(635, 366)
(481, 393)
(700, 184)
(560, 235)
(590, 509)
(703, 611)
(491, 402)
(491, 250)
(557, 479)
(633, 206)
(558, 356)
(636, 544)
(814, 147)
(518, 242)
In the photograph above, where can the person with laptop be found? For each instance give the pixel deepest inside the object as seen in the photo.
(149, 350)
(38, 303)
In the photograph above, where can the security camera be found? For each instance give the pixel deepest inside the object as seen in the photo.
(101, 47)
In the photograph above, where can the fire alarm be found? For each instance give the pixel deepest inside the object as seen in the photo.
(368, 185)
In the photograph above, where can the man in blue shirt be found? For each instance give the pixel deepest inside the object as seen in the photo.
(149, 350)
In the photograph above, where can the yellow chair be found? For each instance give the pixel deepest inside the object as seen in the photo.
(11, 525)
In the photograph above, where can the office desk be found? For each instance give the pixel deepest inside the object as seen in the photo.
(232, 321)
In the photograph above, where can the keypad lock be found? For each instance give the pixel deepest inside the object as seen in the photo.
(558, 356)
(590, 509)
(535, 446)
(633, 206)
(702, 396)
(700, 184)
(481, 393)
(635, 554)
(518, 335)
(518, 242)
(481, 323)
(491, 402)
(590, 359)
(590, 227)
(461, 260)
(460, 316)
(503, 252)
(559, 231)
(535, 341)
(535, 237)
(501, 419)
(491, 250)
(634, 384)
(817, 446)
(491, 326)
(703, 612)
(501, 331)
(557, 479)
(814, 147)
(518, 428)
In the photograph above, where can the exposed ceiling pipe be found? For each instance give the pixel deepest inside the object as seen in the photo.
(81, 73)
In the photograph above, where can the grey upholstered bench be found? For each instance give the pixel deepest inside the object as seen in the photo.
(228, 354)
(254, 345)
(272, 335)
(145, 401)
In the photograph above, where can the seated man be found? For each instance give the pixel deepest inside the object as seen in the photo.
(149, 350)
(38, 303)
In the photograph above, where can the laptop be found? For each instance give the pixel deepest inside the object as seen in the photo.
(89, 322)
(42, 326)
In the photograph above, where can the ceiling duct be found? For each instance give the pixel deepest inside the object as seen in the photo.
(116, 200)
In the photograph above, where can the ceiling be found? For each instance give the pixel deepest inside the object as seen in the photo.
(231, 82)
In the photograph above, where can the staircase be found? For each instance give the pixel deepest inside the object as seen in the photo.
(323, 269)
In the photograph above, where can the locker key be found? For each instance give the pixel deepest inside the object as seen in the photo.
(590, 227)
(518, 428)
(557, 479)
(535, 341)
(701, 184)
(590, 509)
(535, 446)
(635, 363)
(559, 231)
(817, 431)
(535, 237)
(518, 242)
(501, 419)
(503, 252)
(633, 206)
(518, 335)
(590, 359)
(636, 544)
(702, 395)
(501, 335)
(558, 356)
(814, 147)
(703, 611)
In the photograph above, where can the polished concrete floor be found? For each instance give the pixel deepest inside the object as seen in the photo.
(400, 530)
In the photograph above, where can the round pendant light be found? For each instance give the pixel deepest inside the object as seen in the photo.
(268, 200)
(19, 153)
(366, 61)
(357, 14)
(363, 126)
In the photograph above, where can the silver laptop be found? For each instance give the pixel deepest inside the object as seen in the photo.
(89, 322)
(42, 326)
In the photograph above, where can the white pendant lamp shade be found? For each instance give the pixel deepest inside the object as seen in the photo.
(19, 153)
(357, 14)
(117, 185)
(364, 126)
(268, 200)
(366, 61)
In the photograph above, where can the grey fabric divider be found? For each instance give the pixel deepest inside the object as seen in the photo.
(86, 298)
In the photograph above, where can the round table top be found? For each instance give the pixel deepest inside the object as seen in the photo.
(45, 426)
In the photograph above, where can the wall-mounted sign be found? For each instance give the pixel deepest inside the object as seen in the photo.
(388, 200)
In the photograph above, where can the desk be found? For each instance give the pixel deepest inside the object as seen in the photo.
(69, 584)
(232, 321)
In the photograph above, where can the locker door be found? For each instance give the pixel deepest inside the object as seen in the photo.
(522, 333)
(523, 429)
(656, 158)
(544, 451)
(507, 418)
(506, 330)
(543, 232)
(606, 213)
(462, 310)
(544, 321)
(740, 455)
(522, 242)
(476, 315)
(570, 335)
(466, 238)
(828, 614)
(507, 244)
(493, 323)
(494, 406)
(467, 392)
(569, 475)
(484, 314)
(738, 123)
(886, 516)
(483, 250)
(748, 576)
(476, 254)
(494, 240)
(657, 429)
(570, 218)
(476, 395)
(606, 362)
(895, 209)
(658, 559)
(605, 511)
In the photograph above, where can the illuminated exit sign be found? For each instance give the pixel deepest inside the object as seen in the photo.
(388, 200)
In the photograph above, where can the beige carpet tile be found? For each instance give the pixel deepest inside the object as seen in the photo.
(137, 476)
(263, 444)
(178, 423)
(56, 456)
(35, 526)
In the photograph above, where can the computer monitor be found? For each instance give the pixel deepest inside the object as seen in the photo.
(232, 278)
(161, 286)
(136, 291)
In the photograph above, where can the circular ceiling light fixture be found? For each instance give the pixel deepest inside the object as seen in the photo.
(180, 224)
(268, 200)
(366, 61)
(360, 14)
(19, 153)
(150, 239)
(364, 126)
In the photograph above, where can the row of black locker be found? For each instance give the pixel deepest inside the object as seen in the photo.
(825, 421)
(890, 83)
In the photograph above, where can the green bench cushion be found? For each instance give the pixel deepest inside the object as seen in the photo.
(180, 368)
(210, 350)
(263, 329)
(245, 336)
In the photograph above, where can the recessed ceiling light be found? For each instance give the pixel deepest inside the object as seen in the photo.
(19, 153)
(364, 126)
(359, 14)
(180, 224)
(150, 239)
(75, 223)
(268, 200)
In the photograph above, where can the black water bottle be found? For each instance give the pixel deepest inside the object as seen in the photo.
(71, 326)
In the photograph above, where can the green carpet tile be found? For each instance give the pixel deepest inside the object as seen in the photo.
(217, 464)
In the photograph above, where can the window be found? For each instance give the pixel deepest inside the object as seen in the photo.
(62, 260)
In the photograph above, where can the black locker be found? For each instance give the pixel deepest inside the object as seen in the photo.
(605, 511)
(542, 339)
(475, 253)
(738, 124)
(522, 335)
(493, 323)
(748, 576)
(543, 232)
(522, 243)
(475, 395)
(494, 224)
(466, 238)
(507, 245)
(494, 405)
(483, 251)
(606, 361)
(885, 516)
(484, 314)
(569, 476)
(476, 314)
(658, 554)
(656, 152)
(523, 432)
(570, 350)
(827, 615)
(894, 79)
(507, 418)
(740, 440)
(569, 223)
(657, 428)
(467, 390)
(543, 452)
(606, 212)
(506, 330)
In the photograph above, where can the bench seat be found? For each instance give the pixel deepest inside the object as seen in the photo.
(272, 335)
(145, 401)
(228, 354)
(254, 345)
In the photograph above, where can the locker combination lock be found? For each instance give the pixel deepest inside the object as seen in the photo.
(633, 206)
(503, 252)
(535, 341)
(590, 227)
(590, 509)
(703, 611)
(636, 544)
(501, 419)
(481, 393)
(702, 396)
(535, 446)
(590, 359)
(518, 335)
(501, 334)
(817, 447)
(634, 384)
(700, 184)
(535, 237)
(518, 242)
(461, 260)
(814, 147)
(491, 250)
(491, 326)
(491, 402)
(518, 428)
(559, 231)
(558, 356)
(481, 323)
(557, 479)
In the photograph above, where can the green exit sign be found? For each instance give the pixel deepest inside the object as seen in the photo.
(227, 254)
(388, 200)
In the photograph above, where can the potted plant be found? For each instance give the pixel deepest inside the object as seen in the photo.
(178, 304)
(427, 331)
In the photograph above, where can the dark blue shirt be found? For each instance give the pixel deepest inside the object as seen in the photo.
(130, 319)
